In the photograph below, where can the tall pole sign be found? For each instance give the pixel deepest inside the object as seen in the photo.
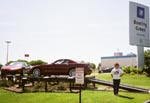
(139, 29)
(139, 25)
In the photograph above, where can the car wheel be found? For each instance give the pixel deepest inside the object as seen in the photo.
(36, 72)
(72, 73)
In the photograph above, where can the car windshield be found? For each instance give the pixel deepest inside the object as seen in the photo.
(59, 62)
(18, 64)
(64, 61)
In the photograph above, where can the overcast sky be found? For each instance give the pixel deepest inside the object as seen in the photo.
(75, 29)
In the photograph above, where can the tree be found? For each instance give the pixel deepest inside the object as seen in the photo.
(92, 65)
(37, 62)
(9, 62)
(99, 66)
(147, 61)
(147, 58)
(1, 66)
(19, 60)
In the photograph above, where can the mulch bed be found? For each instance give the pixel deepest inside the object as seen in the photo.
(30, 88)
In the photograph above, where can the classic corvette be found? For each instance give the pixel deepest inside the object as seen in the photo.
(59, 67)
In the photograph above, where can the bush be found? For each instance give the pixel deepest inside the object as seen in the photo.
(132, 73)
(147, 70)
(5, 83)
(132, 70)
(37, 62)
(1, 66)
(126, 69)
(144, 73)
(51, 87)
(140, 70)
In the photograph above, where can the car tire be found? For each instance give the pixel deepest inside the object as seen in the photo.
(72, 73)
(36, 72)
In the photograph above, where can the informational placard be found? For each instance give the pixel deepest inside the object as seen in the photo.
(79, 76)
(139, 25)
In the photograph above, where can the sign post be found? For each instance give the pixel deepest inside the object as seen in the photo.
(140, 52)
(139, 29)
(79, 79)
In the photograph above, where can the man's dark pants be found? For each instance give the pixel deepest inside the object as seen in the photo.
(116, 83)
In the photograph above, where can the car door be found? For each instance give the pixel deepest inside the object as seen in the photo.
(47, 69)
(60, 69)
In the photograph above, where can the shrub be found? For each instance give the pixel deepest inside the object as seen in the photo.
(134, 70)
(126, 69)
(140, 70)
(132, 73)
(1, 66)
(5, 83)
(144, 73)
(147, 70)
(37, 62)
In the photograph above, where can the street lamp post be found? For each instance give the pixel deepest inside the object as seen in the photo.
(7, 51)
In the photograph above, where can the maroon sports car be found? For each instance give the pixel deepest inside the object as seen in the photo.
(59, 67)
(15, 68)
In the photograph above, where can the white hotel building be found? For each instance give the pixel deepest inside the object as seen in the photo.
(123, 60)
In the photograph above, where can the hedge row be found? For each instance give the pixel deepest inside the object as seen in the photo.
(129, 70)
(132, 70)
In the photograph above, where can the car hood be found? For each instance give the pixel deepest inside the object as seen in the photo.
(11, 67)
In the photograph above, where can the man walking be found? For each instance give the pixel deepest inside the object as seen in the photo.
(116, 74)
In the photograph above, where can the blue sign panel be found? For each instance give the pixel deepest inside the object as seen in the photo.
(140, 12)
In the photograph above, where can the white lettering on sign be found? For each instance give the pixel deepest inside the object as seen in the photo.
(139, 25)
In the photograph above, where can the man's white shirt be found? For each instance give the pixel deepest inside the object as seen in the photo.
(116, 73)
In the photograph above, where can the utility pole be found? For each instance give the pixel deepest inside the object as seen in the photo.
(8, 42)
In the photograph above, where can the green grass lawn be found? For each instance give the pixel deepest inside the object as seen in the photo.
(133, 80)
(87, 95)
